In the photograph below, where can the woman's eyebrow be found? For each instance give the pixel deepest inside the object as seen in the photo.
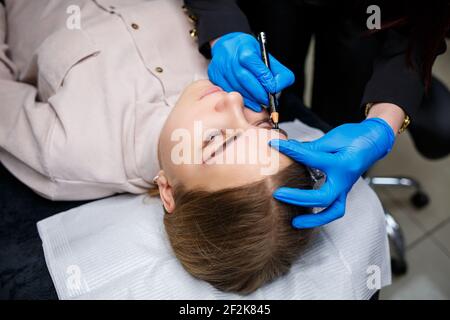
(282, 131)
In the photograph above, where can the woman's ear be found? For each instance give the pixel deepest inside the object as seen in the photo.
(165, 192)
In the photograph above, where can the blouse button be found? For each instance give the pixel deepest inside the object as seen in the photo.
(193, 32)
(192, 18)
(159, 69)
(135, 26)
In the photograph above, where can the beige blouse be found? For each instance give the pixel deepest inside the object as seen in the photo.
(82, 104)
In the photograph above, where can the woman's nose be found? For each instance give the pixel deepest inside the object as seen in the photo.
(232, 105)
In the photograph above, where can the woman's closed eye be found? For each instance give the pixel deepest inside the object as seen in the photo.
(212, 135)
(216, 141)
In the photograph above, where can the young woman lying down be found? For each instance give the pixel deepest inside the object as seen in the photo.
(222, 221)
(91, 111)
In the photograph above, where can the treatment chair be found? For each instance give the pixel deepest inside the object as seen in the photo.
(419, 199)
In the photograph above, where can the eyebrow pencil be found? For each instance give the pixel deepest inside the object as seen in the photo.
(273, 102)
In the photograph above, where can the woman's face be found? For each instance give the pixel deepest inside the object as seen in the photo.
(211, 141)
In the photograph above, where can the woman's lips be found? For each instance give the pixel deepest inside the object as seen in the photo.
(210, 90)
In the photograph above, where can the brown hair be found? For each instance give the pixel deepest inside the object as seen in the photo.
(239, 238)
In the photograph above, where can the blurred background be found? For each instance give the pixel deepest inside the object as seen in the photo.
(426, 230)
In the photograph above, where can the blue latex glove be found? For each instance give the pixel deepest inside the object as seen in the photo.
(236, 65)
(343, 154)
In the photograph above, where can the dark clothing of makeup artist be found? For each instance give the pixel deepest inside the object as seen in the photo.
(353, 67)
(385, 74)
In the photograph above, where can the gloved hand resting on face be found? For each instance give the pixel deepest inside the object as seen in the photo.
(237, 65)
(343, 154)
